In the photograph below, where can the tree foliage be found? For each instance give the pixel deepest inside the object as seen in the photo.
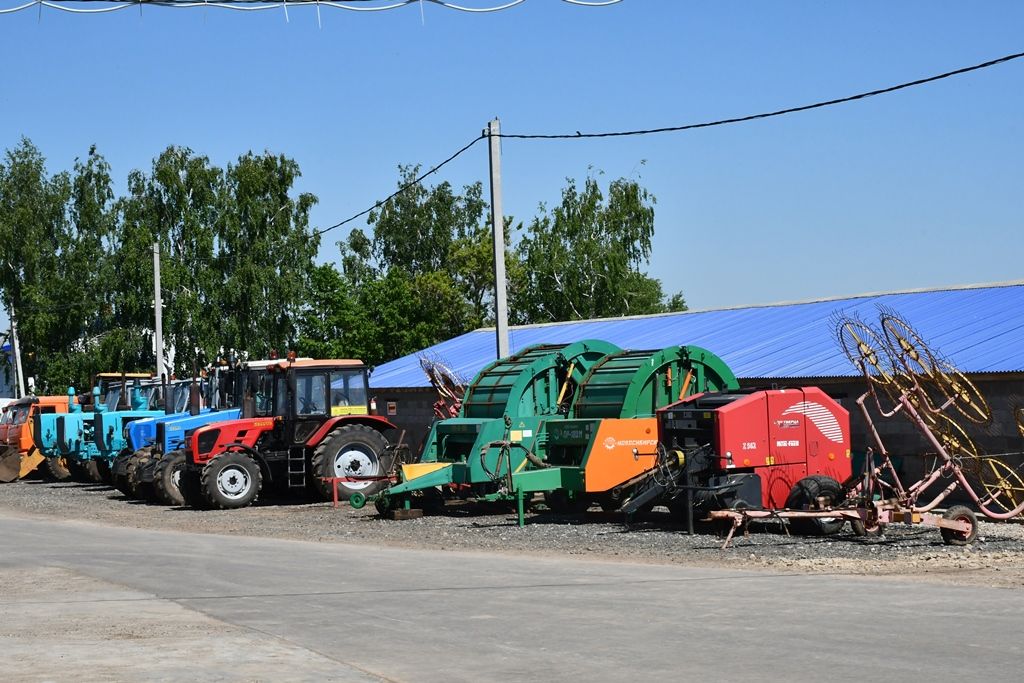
(239, 271)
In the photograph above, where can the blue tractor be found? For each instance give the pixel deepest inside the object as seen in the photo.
(75, 432)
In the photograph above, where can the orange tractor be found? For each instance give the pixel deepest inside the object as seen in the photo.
(18, 453)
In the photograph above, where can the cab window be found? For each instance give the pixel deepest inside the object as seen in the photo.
(310, 394)
(348, 392)
(281, 396)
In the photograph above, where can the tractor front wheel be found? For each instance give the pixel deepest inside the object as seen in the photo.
(57, 469)
(167, 478)
(351, 451)
(232, 480)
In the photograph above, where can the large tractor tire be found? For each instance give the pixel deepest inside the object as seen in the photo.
(127, 478)
(137, 488)
(232, 480)
(167, 478)
(56, 469)
(190, 485)
(805, 495)
(351, 451)
(119, 470)
(85, 471)
(103, 467)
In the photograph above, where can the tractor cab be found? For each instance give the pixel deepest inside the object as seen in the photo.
(309, 393)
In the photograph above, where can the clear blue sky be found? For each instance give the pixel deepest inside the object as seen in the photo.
(916, 189)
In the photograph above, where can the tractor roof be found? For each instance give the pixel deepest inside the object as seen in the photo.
(309, 364)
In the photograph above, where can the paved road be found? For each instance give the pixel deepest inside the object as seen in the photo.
(362, 613)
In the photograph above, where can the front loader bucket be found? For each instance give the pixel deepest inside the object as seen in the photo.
(30, 462)
(10, 464)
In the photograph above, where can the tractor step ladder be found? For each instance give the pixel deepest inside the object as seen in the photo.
(296, 467)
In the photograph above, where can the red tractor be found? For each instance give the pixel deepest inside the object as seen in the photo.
(751, 449)
(305, 422)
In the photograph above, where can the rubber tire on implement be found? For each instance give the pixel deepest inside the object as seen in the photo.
(960, 513)
(326, 454)
(804, 496)
(561, 502)
(165, 482)
(57, 469)
(213, 476)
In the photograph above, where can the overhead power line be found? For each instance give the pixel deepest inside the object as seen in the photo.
(75, 6)
(770, 114)
(688, 126)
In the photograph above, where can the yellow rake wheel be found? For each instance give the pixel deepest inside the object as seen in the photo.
(906, 385)
(907, 346)
(1002, 483)
(956, 443)
(967, 400)
(866, 351)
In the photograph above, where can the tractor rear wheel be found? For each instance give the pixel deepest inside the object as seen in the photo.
(167, 478)
(352, 450)
(231, 480)
(805, 495)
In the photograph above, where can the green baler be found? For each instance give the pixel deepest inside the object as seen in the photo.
(610, 438)
(507, 402)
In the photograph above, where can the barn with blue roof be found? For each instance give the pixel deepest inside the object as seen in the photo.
(980, 328)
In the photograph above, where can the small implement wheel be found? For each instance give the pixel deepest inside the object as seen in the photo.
(563, 502)
(232, 480)
(167, 479)
(960, 513)
(805, 495)
(352, 450)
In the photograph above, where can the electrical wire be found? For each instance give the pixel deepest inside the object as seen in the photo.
(405, 187)
(767, 115)
(261, 5)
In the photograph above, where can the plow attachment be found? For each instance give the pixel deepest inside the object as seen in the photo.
(10, 464)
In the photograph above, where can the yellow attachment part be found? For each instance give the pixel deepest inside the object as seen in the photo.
(565, 384)
(29, 463)
(420, 468)
(348, 410)
(686, 384)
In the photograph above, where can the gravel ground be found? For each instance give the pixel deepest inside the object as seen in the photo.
(995, 559)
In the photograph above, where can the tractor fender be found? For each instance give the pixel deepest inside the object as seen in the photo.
(381, 424)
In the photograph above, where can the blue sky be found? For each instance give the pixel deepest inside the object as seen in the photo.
(921, 188)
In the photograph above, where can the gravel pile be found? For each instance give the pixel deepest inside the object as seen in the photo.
(996, 558)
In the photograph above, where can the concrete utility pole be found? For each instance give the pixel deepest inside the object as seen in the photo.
(498, 230)
(17, 356)
(158, 306)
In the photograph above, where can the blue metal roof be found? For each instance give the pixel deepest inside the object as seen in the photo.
(980, 329)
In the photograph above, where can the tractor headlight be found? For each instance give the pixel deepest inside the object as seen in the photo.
(207, 440)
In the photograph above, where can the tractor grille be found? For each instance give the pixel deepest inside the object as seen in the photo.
(207, 440)
(161, 437)
(97, 430)
(62, 442)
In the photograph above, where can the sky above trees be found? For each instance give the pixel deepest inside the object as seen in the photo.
(916, 189)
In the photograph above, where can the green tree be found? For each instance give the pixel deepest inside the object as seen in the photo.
(265, 253)
(584, 258)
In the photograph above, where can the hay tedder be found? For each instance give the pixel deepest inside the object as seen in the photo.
(713, 464)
